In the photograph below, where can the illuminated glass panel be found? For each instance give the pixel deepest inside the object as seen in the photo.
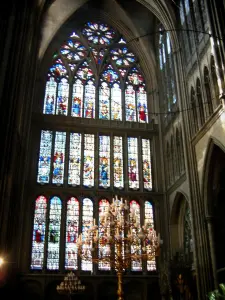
(84, 72)
(59, 158)
(37, 256)
(133, 163)
(58, 69)
(74, 159)
(146, 161)
(104, 161)
(116, 102)
(73, 50)
(98, 33)
(72, 229)
(123, 57)
(44, 163)
(50, 96)
(54, 234)
(77, 99)
(98, 55)
(118, 162)
(136, 265)
(87, 222)
(89, 100)
(62, 98)
(104, 98)
(104, 231)
(109, 75)
(135, 77)
(149, 220)
(88, 172)
(119, 217)
(130, 104)
(142, 105)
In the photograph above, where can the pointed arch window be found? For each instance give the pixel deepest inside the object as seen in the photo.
(208, 91)
(200, 103)
(149, 221)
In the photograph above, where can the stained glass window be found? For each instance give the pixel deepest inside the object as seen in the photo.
(54, 222)
(72, 229)
(87, 221)
(104, 161)
(133, 169)
(89, 100)
(74, 159)
(77, 99)
(136, 265)
(118, 162)
(104, 246)
(59, 157)
(50, 96)
(62, 98)
(88, 169)
(146, 161)
(116, 102)
(142, 105)
(149, 220)
(104, 99)
(130, 104)
(45, 153)
(37, 256)
(98, 33)
(123, 57)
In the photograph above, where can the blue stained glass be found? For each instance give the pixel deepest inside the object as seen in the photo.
(104, 98)
(104, 161)
(72, 229)
(118, 162)
(116, 102)
(44, 163)
(59, 158)
(84, 72)
(99, 34)
(54, 234)
(149, 221)
(50, 96)
(37, 256)
(135, 77)
(122, 56)
(74, 159)
(133, 170)
(58, 70)
(89, 100)
(142, 105)
(110, 75)
(104, 231)
(146, 161)
(87, 222)
(136, 265)
(77, 99)
(130, 104)
(62, 98)
(88, 170)
(98, 55)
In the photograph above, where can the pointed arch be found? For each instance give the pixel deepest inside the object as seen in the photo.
(200, 109)
(208, 91)
(214, 79)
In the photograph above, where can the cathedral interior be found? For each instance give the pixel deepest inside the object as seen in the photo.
(104, 100)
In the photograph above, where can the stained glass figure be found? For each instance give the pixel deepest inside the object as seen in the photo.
(62, 98)
(38, 243)
(73, 50)
(104, 99)
(104, 161)
(77, 99)
(74, 159)
(142, 105)
(130, 104)
(146, 161)
(136, 265)
(133, 171)
(59, 158)
(89, 100)
(135, 77)
(109, 75)
(98, 55)
(149, 221)
(88, 170)
(44, 163)
(58, 70)
(87, 222)
(104, 246)
(118, 162)
(72, 228)
(50, 96)
(54, 234)
(98, 33)
(84, 72)
(122, 57)
(116, 102)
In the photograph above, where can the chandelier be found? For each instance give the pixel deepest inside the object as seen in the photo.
(71, 284)
(118, 240)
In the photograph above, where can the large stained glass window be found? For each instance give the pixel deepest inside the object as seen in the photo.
(59, 158)
(54, 233)
(118, 162)
(74, 159)
(146, 162)
(89, 80)
(72, 229)
(133, 171)
(104, 161)
(87, 222)
(88, 169)
(149, 220)
(37, 256)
